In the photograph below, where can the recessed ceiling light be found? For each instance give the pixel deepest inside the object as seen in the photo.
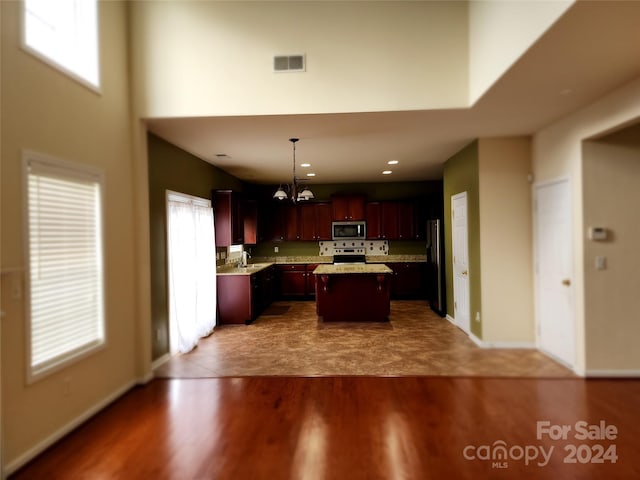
(305, 165)
(311, 174)
(387, 172)
(392, 162)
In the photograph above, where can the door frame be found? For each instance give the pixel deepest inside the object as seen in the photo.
(536, 284)
(466, 326)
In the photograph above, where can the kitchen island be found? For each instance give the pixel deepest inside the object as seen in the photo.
(353, 293)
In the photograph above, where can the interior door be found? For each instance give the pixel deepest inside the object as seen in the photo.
(460, 252)
(554, 268)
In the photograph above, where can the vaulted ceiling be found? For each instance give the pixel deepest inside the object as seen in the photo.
(593, 48)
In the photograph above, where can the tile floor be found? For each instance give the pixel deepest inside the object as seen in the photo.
(289, 340)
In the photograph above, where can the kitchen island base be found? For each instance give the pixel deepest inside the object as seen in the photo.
(352, 294)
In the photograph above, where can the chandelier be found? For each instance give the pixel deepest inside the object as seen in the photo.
(296, 191)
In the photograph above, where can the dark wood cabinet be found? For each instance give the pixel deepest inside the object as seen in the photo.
(291, 223)
(392, 220)
(311, 280)
(292, 280)
(242, 298)
(296, 280)
(315, 221)
(409, 280)
(228, 217)
(347, 207)
(323, 221)
(406, 221)
(250, 221)
(389, 220)
(272, 220)
(373, 216)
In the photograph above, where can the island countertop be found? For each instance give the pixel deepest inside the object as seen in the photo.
(371, 268)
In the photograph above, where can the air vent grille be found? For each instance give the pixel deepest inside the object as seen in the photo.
(289, 63)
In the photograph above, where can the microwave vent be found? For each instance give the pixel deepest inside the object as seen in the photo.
(289, 63)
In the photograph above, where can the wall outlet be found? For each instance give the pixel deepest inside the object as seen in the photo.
(276, 249)
(477, 316)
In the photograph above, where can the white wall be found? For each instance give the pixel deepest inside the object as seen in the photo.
(611, 198)
(215, 58)
(506, 241)
(557, 152)
(45, 111)
(500, 32)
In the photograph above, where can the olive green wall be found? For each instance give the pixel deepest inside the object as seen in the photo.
(171, 168)
(461, 175)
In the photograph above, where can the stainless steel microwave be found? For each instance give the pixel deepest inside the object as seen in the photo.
(349, 230)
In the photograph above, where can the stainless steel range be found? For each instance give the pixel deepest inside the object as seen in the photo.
(349, 251)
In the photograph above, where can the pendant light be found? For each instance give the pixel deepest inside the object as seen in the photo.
(298, 192)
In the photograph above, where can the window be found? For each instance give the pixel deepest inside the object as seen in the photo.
(65, 262)
(65, 33)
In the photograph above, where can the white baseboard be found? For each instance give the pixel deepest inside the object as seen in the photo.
(160, 361)
(500, 344)
(146, 378)
(613, 373)
(487, 344)
(41, 446)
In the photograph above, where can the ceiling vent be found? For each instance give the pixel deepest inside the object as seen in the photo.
(289, 63)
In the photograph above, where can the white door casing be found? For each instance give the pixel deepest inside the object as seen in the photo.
(555, 316)
(460, 252)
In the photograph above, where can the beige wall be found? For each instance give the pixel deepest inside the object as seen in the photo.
(215, 58)
(504, 165)
(557, 152)
(611, 197)
(500, 32)
(45, 111)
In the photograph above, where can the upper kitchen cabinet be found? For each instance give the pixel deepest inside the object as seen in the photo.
(236, 218)
(229, 221)
(315, 221)
(347, 207)
(373, 216)
(250, 221)
(406, 221)
(393, 220)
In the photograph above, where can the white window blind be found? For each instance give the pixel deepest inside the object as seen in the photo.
(65, 262)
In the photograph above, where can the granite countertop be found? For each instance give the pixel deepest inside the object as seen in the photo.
(232, 269)
(372, 268)
(373, 261)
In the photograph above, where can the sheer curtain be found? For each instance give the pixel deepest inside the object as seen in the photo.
(192, 270)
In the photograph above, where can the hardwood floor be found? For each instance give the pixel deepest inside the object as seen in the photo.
(351, 428)
(290, 340)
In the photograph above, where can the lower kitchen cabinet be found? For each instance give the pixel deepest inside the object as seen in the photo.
(408, 280)
(296, 281)
(241, 298)
(292, 280)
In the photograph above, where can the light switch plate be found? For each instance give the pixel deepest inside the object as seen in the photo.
(601, 263)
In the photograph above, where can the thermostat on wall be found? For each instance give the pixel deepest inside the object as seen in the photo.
(597, 233)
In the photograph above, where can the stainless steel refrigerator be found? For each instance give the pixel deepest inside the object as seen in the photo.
(435, 267)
